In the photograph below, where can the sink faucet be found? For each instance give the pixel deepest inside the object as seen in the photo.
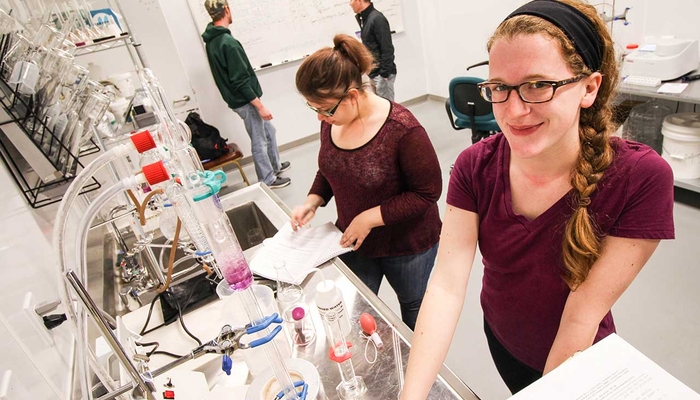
(130, 298)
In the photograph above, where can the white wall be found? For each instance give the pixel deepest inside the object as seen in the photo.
(454, 36)
(455, 32)
(656, 18)
(292, 118)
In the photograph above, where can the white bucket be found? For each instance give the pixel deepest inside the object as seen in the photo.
(123, 83)
(681, 146)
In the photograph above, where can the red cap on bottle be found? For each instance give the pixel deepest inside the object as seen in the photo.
(632, 46)
(143, 141)
(155, 173)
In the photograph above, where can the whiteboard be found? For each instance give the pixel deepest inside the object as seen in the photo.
(275, 32)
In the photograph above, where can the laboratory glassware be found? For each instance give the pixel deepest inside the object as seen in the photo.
(288, 294)
(351, 386)
(303, 331)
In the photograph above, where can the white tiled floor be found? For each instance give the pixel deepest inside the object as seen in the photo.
(658, 313)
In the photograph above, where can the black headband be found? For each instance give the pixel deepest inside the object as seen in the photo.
(577, 27)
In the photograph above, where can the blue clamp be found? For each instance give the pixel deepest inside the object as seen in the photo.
(302, 394)
(263, 325)
(249, 329)
(226, 364)
(213, 180)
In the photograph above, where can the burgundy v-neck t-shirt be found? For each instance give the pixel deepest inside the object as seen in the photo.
(523, 294)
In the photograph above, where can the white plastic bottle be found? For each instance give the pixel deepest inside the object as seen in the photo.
(330, 298)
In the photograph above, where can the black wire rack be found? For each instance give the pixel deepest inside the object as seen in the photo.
(20, 112)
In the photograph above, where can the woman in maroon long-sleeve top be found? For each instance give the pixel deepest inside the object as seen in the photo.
(379, 164)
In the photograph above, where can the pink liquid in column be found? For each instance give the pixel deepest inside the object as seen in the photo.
(235, 269)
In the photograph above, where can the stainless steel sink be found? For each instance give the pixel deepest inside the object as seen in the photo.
(105, 281)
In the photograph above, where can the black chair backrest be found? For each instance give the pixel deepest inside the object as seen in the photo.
(468, 93)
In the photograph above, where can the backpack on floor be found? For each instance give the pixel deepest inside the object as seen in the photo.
(206, 139)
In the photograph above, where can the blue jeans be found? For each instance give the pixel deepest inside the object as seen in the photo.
(263, 141)
(407, 275)
(385, 87)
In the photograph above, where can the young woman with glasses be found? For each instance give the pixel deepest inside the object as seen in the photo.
(379, 164)
(565, 215)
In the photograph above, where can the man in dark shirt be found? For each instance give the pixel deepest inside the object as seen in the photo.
(376, 35)
(239, 87)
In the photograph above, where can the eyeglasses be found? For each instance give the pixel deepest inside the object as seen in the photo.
(529, 92)
(332, 111)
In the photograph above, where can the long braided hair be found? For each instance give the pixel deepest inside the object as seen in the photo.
(581, 246)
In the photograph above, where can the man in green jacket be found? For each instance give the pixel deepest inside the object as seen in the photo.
(240, 89)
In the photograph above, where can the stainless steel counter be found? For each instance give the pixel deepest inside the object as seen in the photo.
(380, 377)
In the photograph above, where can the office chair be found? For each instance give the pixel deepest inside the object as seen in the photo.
(471, 110)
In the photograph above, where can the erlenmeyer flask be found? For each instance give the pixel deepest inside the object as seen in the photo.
(288, 293)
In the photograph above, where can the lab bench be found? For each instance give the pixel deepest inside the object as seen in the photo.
(690, 95)
(380, 377)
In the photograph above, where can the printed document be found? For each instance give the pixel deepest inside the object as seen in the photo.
(301, 251)
(609, 370)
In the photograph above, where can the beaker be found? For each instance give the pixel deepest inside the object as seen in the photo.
(20, 51)
(47, 36)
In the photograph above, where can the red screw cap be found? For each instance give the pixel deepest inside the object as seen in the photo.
(155, 173)
(143, 141)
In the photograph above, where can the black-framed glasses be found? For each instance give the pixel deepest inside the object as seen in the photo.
(529, 92)
(331, 112)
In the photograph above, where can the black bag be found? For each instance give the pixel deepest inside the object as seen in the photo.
(206, 139)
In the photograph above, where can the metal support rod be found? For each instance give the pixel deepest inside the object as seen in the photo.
(135, 48)
(103, 223)
(119, 351)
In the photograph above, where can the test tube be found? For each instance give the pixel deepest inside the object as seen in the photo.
(304, 331)
(351, 386)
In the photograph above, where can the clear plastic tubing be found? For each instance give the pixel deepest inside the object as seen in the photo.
(59, 247)
(82, 234)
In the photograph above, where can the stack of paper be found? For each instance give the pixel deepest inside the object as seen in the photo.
(609, 370)
(301, 251)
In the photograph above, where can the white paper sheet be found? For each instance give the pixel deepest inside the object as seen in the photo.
(610, 370)
(674, 88)
(302, 251)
